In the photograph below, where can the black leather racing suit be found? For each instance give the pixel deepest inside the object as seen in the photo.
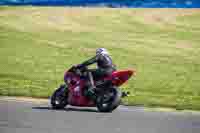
(104, 65)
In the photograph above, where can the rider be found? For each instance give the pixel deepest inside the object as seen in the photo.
(104, 67)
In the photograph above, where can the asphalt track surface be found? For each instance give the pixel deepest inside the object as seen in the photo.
(31, 117)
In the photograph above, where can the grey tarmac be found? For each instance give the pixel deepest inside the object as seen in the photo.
(21, 116)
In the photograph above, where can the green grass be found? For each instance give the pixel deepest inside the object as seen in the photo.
(37, 44)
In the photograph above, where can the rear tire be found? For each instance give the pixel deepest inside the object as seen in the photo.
(59, 98)
(112, 103)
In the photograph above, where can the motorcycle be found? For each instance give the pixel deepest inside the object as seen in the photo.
(108, 94)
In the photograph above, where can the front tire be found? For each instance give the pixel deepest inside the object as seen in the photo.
(106, 103)
(59, 98)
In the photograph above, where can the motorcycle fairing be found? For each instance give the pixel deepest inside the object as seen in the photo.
(76, 90)
(120, 77)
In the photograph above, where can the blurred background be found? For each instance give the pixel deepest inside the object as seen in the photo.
(108, 3)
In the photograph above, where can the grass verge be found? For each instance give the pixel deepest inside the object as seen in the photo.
(37, 44)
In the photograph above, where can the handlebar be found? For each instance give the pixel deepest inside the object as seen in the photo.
(78, 70)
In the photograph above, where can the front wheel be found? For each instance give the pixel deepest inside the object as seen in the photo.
(59, 98)
(109, 100)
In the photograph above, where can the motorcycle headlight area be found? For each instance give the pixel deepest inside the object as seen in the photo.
(67, 79)
(70, 80)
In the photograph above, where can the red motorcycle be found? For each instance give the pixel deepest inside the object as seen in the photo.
(108, 96)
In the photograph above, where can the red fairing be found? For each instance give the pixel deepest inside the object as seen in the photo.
(76, 90)
(120, 77)
(76, 86)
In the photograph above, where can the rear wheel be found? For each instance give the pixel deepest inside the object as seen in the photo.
(109, 100)
(59, 98)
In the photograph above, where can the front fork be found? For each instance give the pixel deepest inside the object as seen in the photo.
(64, 89)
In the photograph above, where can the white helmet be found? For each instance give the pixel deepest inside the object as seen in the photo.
(102, 51)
